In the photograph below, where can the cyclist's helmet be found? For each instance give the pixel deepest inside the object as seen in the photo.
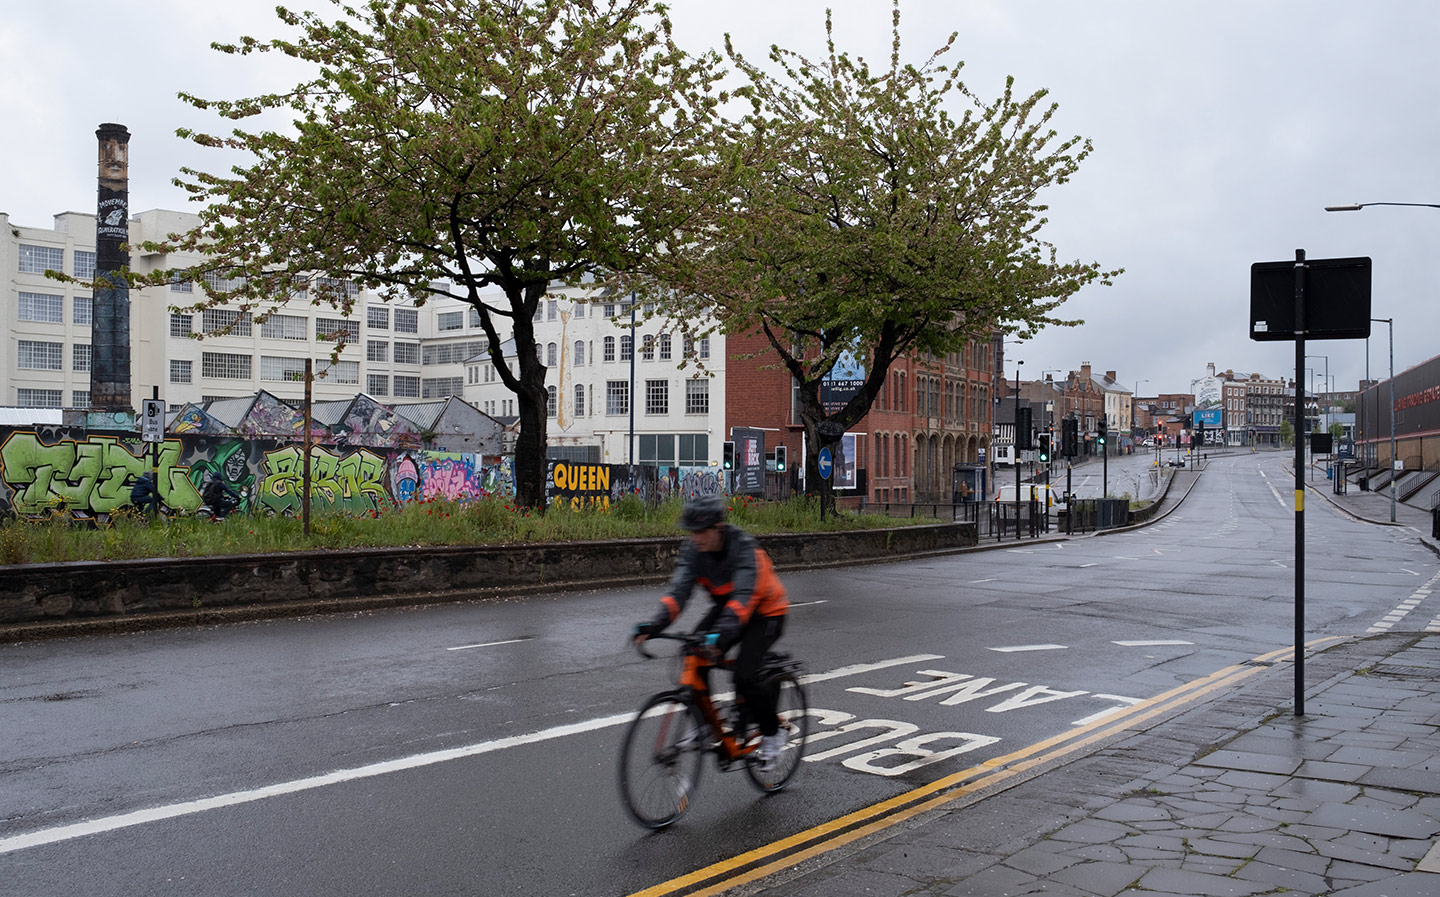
(703, 512)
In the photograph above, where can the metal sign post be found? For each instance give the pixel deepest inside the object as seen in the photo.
(1337, 307)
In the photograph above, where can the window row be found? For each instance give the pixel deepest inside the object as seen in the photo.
(405, 387)
(452, 353)
(51, 398)
(403, 352)
(49, 308)
(890, 454)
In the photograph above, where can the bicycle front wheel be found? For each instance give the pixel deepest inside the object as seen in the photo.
(661, 759)
(774, 774)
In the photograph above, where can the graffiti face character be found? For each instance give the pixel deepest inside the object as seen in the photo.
(235, 467)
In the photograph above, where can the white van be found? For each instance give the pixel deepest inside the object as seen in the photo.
(1054, 500)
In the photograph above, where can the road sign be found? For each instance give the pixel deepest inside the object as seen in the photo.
(152, 420)
(825, 463)
(1337, 299)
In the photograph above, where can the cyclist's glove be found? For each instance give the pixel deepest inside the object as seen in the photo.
(645, 629)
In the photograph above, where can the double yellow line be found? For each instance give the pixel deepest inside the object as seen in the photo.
(779, 855)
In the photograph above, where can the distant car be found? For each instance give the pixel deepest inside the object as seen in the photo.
(1054, 501)
(1175, 462)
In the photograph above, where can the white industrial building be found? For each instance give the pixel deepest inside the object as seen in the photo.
(395, 353)
(586, 340)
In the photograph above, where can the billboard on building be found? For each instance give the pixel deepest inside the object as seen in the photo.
(749, 461)
(1209, 391)
(842, 383)
(1416, 399)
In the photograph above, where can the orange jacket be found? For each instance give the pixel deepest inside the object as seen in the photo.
(741, 581)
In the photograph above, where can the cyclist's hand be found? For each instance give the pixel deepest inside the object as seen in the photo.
(710, 647)
(642, 632)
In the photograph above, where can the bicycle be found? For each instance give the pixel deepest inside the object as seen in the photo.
(665, 745)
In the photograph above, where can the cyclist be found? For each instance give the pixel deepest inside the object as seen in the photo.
(144, 496)
(748, 606)
(219, 496)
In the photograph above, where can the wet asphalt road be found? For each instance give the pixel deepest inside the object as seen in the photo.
(309, 756)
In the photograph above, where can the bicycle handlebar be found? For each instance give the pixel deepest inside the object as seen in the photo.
(691, 641)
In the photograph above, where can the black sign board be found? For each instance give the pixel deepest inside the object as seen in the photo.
(1322, 443)
(749, 461)
(1337, 299)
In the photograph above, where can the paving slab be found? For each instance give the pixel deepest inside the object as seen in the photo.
(1223, 798)
(1395, 824)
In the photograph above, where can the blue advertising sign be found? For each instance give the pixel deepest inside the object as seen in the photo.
(1210, 417)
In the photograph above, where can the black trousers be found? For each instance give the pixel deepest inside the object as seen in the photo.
(760, 697)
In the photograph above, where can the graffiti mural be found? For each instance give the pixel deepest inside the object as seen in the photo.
(367, 422)
(92, 474)
(192, 419)
(49, 469)
(404, 478)
(268, 416)
(451, 475)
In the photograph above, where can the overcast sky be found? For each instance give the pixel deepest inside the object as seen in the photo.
(1221, 128)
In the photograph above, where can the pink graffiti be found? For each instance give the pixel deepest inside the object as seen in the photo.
(449, 478)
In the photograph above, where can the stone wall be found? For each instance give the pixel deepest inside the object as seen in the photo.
(126, 592)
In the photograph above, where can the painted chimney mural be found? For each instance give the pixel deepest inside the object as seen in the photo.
(110, 324)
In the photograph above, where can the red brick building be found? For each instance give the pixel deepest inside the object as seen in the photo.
(932, 414)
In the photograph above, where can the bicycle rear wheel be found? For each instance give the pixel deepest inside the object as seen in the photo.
(661, 758)
(793, 709)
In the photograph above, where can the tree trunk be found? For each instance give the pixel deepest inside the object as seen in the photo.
(530, 446)
(820, 432)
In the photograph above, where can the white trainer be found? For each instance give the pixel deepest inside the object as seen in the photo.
(771, 746)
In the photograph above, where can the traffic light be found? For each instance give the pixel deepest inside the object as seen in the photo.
(1044, 448)
(1200, 435)
(1022, 428)
(1103, 431)
(727, 460)
(1070, 437)
(779, 457)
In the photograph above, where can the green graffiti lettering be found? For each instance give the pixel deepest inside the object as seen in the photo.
(280, 489)
(353, 484)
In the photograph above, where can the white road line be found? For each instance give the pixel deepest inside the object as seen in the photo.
(414, 761)
(1014, 648)
(809, 603)
(1091, 564)
(509, 641)
(978, 581)
(1277, 495)
(858, 668)
(1154, 642)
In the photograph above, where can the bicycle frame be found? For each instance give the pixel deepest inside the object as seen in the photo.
(694, 681)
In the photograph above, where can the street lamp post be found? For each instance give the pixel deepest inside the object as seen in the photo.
(1327, 388)
(1355, 207)
(1048, 404)
(1326, 409)
(1016, 447)
(1391, 323)
(1133, 396)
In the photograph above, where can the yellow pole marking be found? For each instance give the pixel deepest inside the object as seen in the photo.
(1299, 500)
(837, 833)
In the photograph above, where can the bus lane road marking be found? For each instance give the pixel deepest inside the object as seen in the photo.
(818, 840)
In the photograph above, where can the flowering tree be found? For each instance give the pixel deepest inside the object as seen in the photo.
(450, 147)
(886, 213)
